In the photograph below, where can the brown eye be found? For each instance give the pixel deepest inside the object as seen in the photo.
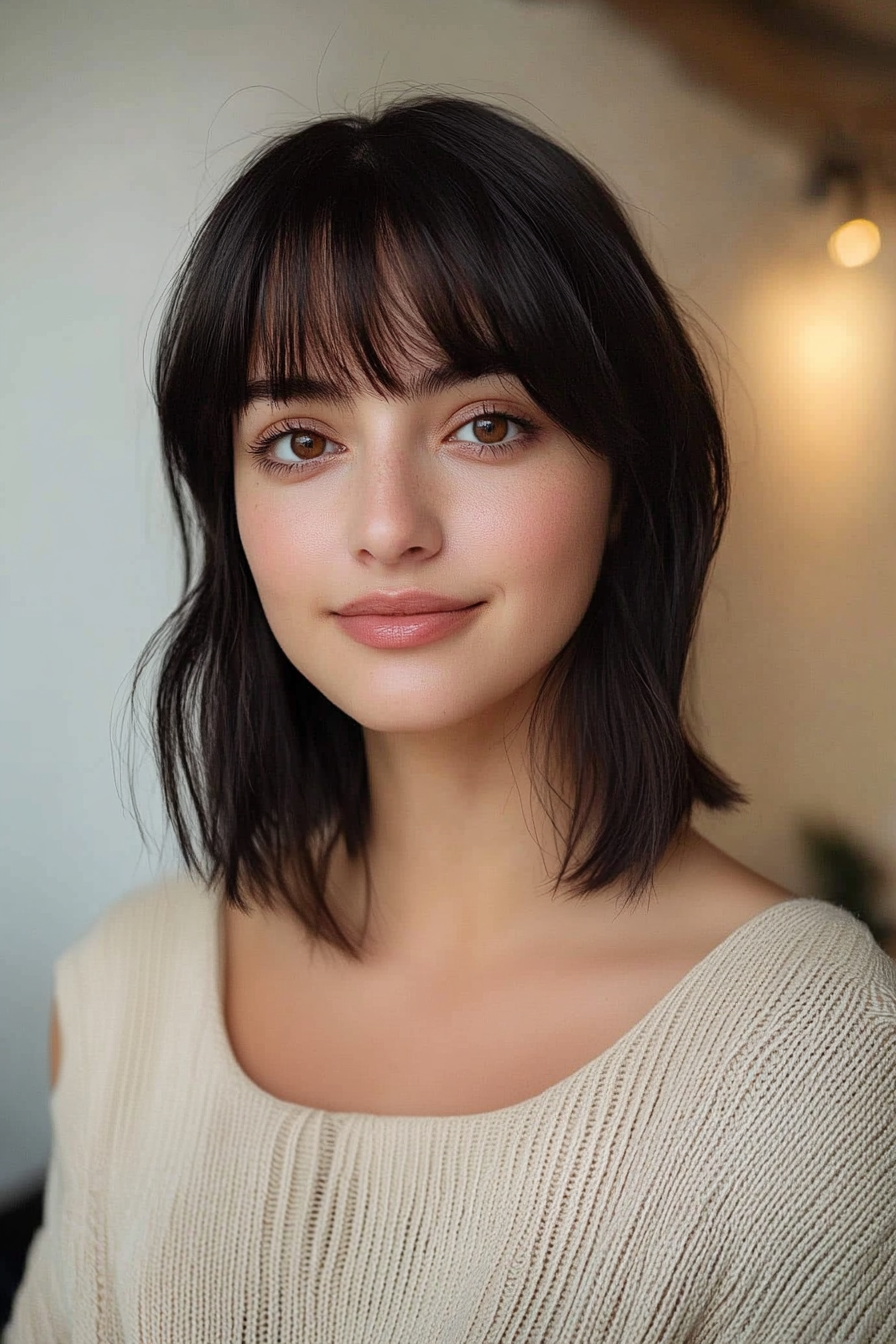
(303, 441)
(490, 428)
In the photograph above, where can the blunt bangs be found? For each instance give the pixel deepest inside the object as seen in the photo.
(344, 256)
(439, 231)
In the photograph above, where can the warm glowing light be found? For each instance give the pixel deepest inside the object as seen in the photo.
(822, 346)
(855, 243)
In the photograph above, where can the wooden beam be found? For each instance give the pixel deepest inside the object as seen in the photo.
(810, 90)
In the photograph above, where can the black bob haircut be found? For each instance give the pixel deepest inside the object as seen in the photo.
(513, 256)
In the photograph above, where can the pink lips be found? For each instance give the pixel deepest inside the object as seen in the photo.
(402, 631)
(409, 602)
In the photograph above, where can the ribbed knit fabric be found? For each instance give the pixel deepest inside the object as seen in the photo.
(724, 1172)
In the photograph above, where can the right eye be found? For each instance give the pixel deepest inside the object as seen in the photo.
(301, 447)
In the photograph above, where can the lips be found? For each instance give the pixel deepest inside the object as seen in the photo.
(403, 604)
(407, 632)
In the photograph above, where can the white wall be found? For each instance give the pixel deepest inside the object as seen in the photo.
(119, 120)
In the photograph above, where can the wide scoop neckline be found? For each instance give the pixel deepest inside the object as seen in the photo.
(239, 1079)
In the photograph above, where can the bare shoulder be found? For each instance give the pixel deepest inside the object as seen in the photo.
(714, 890)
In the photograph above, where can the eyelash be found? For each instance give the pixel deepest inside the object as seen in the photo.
(261, 446)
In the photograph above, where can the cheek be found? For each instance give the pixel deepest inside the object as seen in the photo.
(282, 547)
(556, 536)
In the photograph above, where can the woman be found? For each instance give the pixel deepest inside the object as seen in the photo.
(456, 1028)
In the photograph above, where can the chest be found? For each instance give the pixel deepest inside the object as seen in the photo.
(340, 1042)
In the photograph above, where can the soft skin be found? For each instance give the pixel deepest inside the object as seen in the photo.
(400, 500)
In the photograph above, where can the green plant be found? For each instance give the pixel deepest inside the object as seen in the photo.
(844, 872)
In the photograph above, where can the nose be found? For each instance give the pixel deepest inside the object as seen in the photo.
(398, 500)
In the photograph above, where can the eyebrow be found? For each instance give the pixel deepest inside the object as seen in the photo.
(427, 383)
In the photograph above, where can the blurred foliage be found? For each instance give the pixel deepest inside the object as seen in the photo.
(845, 873)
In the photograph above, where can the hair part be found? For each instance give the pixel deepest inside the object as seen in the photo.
(454, 230)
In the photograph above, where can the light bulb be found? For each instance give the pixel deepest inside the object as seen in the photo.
(855, 243)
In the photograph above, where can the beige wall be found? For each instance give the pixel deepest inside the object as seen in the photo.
(797, 647)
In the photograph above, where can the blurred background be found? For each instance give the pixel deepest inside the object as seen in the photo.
(741, 135)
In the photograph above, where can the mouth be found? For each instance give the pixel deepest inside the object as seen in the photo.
(401, 630)
(403, 604)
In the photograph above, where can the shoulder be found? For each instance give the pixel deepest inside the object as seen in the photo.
(793, 988)
(817, 1049)
(768, 935)
(129, 997)
(116, 967)
(806, 1161)
(782, 1007)
(824, 957)
(162, 908)
(811, 989)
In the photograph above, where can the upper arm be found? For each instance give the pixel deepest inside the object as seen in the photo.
(55, 1045)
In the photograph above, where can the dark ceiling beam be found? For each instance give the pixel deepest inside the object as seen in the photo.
(794, 64)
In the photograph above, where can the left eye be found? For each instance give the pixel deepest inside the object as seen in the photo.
(495, 427)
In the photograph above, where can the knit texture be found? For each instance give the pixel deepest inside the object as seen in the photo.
(725, 1172)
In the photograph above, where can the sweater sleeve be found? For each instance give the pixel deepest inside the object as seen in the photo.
(64, 1292)
(39, 1315)
(43, 1307)
(808, 1173)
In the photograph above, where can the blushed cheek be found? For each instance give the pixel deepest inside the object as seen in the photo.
(277, 546)
(560, 542)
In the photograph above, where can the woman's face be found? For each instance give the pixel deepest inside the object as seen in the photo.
(394, 496)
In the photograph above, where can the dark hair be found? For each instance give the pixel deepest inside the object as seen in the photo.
(513, 256)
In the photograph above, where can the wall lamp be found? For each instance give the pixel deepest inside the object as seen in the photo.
(840, 174)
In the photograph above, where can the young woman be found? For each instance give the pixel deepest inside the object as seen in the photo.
(455, 1028)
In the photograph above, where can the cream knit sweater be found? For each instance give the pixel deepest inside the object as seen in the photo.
(725, 1172)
